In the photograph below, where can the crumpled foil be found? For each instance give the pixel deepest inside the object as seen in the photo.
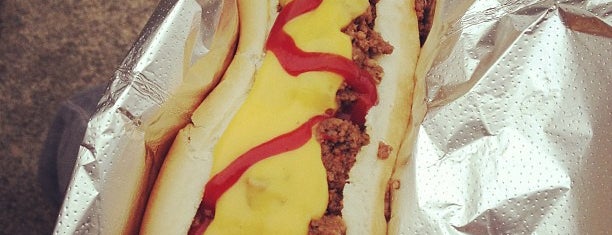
(517, 134)
(100, 197)
(513, 135)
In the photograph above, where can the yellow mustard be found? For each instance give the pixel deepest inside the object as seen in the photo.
(282, 194)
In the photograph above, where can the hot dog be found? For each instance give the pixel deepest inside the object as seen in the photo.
(301, 135)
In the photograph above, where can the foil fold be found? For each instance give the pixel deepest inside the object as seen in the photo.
(517, 126)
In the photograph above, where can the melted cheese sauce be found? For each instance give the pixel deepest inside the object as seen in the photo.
(282, 194)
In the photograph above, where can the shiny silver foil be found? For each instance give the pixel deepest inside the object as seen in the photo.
(517, 133)
(110, 162)
(512, 134)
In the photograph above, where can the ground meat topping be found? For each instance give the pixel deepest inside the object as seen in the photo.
(425, 11)
(367, 43)
(328, 225)
(345, 97)
(384, 150)
(341, 139)
(340, 142)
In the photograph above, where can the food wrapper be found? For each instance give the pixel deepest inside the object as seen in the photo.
(510, 134)
(516, 137)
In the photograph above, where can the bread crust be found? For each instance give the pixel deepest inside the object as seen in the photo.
(190, 158)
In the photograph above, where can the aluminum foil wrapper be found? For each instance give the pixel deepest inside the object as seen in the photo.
(100, 198)
(517, 134)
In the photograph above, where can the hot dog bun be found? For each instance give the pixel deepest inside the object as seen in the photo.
(179, 189)
(386, 122)
(200, 75)
(403, 179)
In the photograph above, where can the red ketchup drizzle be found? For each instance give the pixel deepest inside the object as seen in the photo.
(295, 61)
